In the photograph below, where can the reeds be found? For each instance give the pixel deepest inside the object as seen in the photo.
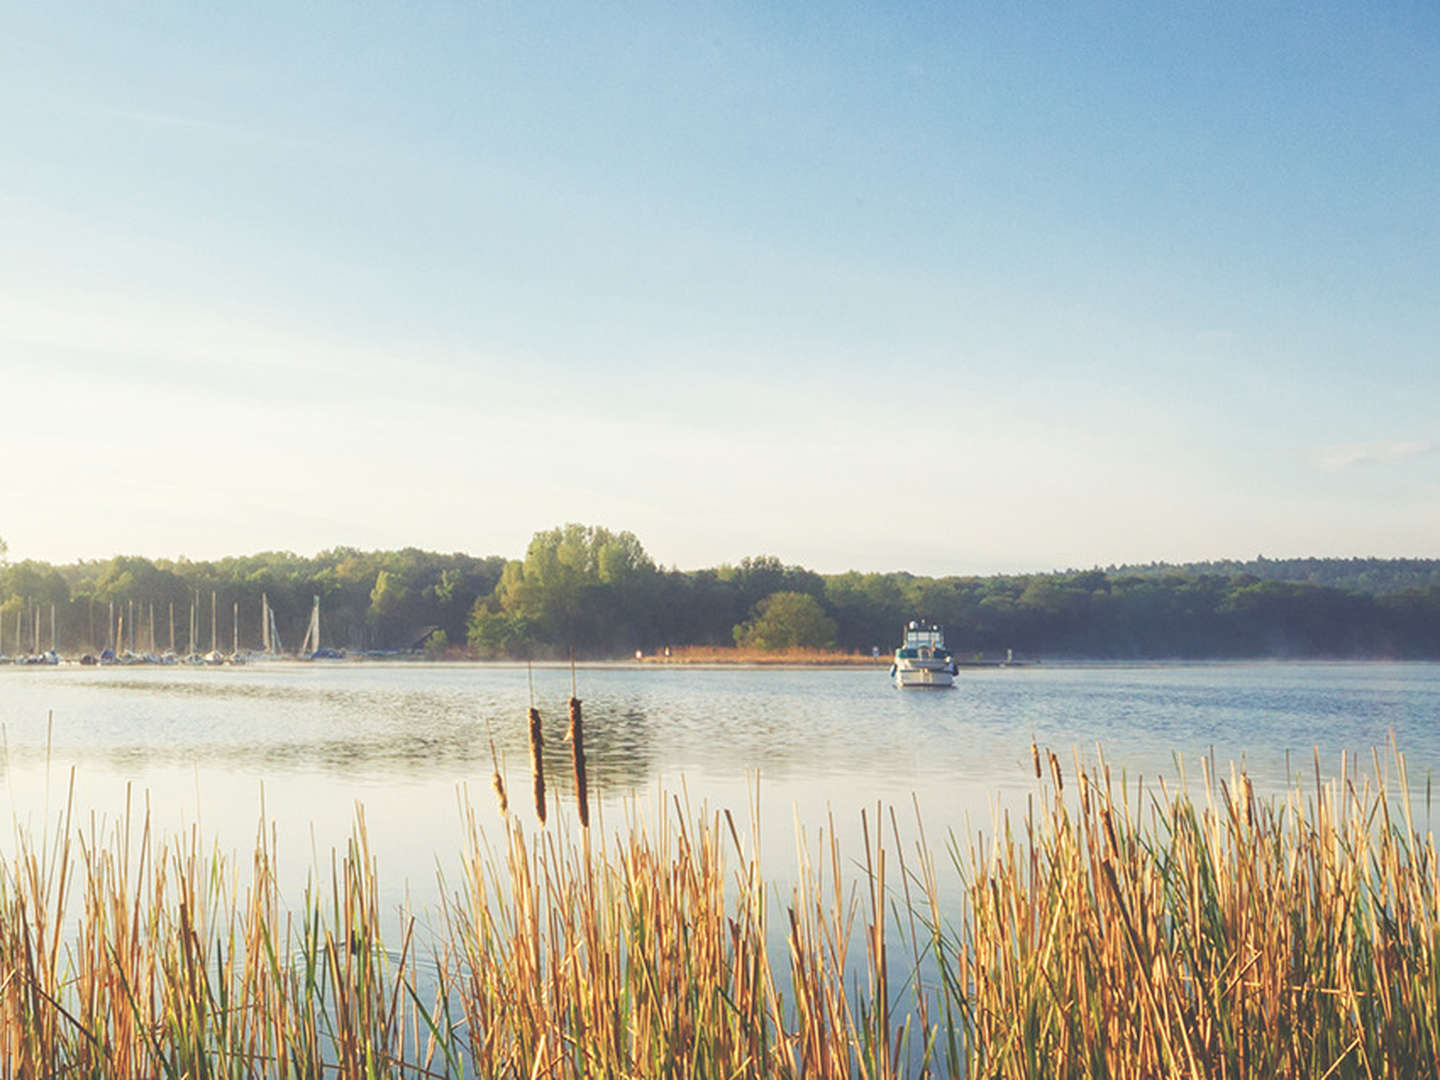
(1119, 932)
(1145, 934)
(730, 654)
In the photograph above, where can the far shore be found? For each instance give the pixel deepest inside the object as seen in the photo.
(719, 655)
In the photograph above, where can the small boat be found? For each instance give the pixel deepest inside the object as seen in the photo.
(922, 660)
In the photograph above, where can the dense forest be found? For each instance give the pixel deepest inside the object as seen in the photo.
(599, 593)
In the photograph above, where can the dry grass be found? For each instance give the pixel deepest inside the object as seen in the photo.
(1152, 935)
(728, 654)
(1120, 933)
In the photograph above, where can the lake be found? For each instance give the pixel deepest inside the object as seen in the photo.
(311, 741)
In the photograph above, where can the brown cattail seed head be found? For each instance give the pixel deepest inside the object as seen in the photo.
(577, 748)
(500, 797)
(537, 763)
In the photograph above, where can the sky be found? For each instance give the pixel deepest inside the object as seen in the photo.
(950, 288)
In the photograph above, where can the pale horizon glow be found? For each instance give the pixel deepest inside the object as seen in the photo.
(945, 291)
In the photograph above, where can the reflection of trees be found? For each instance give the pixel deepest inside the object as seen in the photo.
(377, 734)
(619, 751)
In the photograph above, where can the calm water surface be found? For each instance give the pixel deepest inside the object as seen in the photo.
(314, 741)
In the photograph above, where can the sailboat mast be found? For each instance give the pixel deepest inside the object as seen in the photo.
(172, 626)
(235, 631)
(52, 627)
(213, 638)
(312, 632)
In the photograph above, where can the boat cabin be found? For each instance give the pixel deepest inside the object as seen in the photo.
(923, 642)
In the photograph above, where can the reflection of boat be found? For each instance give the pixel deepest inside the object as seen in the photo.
(922, 660)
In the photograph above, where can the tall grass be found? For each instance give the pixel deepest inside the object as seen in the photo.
(1116, 932)
(1154, 935)
(797, 655)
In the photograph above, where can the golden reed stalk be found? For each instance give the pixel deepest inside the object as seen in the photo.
(1118, 932)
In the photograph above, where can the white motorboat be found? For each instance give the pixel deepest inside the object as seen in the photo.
(922, 661)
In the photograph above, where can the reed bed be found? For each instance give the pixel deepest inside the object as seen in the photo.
(799, 657)
(1117, 931)
(1148, 934)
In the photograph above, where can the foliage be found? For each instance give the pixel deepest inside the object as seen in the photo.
(436, 645)
(787, 620)
(598, 592)
(369, 600)
(579, 586)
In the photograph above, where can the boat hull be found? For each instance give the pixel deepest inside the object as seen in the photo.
(923, 678)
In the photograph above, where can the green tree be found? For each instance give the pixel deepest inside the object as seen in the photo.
(579, 585)
(436, 644)
(787, 620)
(494, 633)
(387, 595)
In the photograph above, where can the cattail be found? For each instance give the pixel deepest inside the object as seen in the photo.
(537, 762)
(500, 797)
(498, 782)
(1035, 756)
(577, 748)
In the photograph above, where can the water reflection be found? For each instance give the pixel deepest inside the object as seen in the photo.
(841, 736)
(312, 744)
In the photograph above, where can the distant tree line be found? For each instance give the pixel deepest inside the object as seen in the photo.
(369, 599)
(1365, 575)
(599, 594)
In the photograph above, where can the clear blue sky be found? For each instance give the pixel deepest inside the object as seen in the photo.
(951, 288)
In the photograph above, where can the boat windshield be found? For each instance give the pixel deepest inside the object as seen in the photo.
(920, 636)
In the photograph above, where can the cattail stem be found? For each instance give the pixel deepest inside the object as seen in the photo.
(537, 762)
(577, 747)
